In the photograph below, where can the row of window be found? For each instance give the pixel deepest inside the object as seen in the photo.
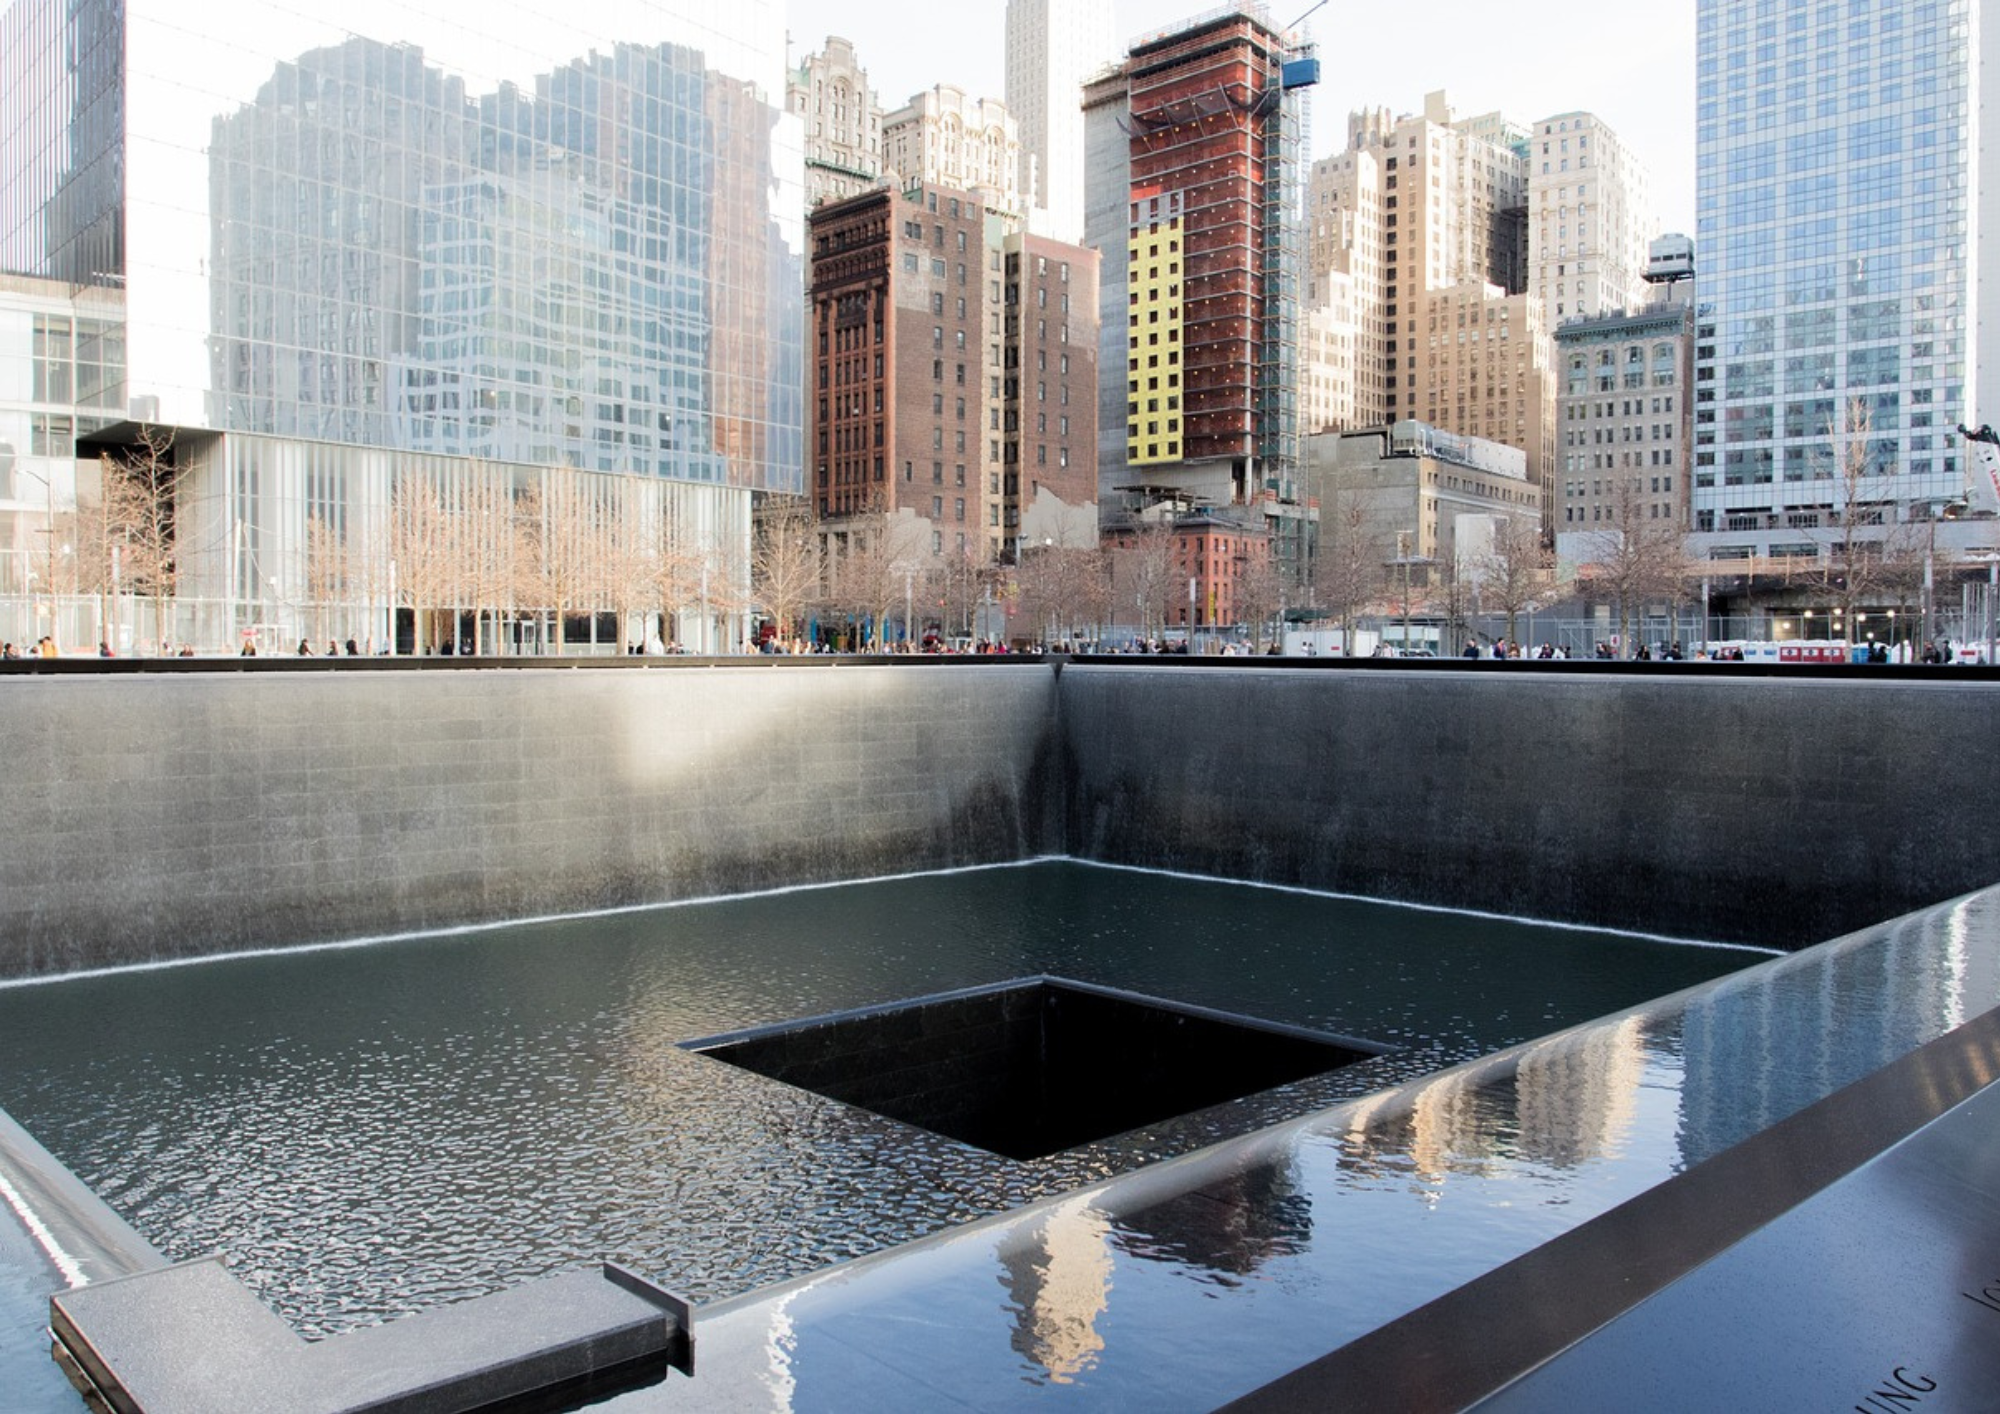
(1574, 515)
(1602, 461)
(1601, 436)
(1624, 407)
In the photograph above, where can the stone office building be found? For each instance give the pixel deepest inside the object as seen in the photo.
(952, 370)
(1623, 418)
(1412, 494)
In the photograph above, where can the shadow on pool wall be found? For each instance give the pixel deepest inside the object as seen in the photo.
(158, 817)
(153, 816)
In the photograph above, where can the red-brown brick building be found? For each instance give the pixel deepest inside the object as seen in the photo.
(953, 365)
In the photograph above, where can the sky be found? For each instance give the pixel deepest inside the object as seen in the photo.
(1631, 65)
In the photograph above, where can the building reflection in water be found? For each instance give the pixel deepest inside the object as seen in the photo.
(1742, 1053)
(1766, 1043)
(1058, 1280)
(1238, 1222)
(1058, 1270)
(1558, 1103)
(1330, 1226)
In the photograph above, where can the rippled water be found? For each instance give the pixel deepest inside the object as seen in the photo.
(369, 1131)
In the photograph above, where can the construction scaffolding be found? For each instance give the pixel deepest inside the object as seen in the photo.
(1217, 116)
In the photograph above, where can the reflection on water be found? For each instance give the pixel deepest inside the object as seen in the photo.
(1247, 1218)
(1059, 1282)
(370, 1131)
(1764, 1046)
(1194, 1281)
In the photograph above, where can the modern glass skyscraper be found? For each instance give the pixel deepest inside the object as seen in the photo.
(540, 238)
(1838, 183)
(535, 236)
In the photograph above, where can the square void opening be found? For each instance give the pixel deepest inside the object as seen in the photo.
(1036, 1066)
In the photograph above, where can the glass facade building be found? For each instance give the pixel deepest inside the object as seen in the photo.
(1838, 191)
(541, 235)
(62, 375)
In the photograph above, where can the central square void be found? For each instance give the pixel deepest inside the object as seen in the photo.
(1035, 1066)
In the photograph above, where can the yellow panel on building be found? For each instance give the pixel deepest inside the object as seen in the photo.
(1153, 344)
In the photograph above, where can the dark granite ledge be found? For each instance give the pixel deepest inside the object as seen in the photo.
(192, 1338)
(1469, 1347)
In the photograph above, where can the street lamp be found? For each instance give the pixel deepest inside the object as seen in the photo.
(1993, 587)
(1403, 555)
(1946, 510)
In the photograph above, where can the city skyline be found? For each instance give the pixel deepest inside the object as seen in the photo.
(1632, 68)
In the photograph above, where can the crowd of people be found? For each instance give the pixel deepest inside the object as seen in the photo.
(1503, 649)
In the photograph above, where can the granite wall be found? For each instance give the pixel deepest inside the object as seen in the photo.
(151, 816)
(1760, 809)
(146, 816)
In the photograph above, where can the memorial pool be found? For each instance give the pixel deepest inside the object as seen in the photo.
(370, 1130)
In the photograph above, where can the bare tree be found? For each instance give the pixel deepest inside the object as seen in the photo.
(1088, 588)
(961, 583)
(787, 564)
(1038, 590)
(629, 559)
(1346, 575)
(685, 574)
(1865, 558)
(489, 558)
(84, 554)
(1060, 590)
(1910, 558)
(1635, 558)
(565, 524)
(720, 574)
(874, 564)
(328, 572)
(1260, 589)
(887, 558)
(1144, 574)
(1516, 574)
(1448, 595)
(122, 538)
(422, 529)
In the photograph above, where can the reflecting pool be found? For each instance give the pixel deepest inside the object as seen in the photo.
(370, 1130)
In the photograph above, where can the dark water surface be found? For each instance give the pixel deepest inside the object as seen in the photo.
(373, 1130)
